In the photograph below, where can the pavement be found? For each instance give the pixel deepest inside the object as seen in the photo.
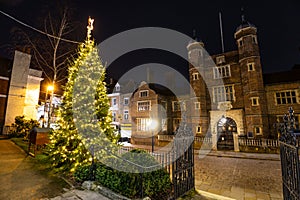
(242, 155)
(19, 179)
(222, 175)
(237, 175)
(75, 194)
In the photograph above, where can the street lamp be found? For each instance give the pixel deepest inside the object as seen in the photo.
(152, 125)
(50, 88)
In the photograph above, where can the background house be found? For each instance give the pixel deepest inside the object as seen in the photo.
(120, 107)
(155, 111)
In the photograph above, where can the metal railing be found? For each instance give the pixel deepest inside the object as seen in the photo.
(289, 157)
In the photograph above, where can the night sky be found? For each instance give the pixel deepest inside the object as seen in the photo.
(278, 26)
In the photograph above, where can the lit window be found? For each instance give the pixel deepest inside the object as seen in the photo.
(251, 67)
(177, 107)
(195, 76)
(257, 130)
(144, 93)
(240, 42)
(220, 60)
(142, 124)
(223, 93)
(114, 101)
(296, 118)
(222, 71)
(197, 105)
(194, 56)
(143, 105)
(198, 129)
(126, 101)
(114, 117)
(200, 52)
(164, 124)
(176, 123)
(254, 39)
(254, 101)
(164, 104)
(126, 114)
(286, 97)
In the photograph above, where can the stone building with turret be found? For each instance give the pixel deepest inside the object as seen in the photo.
(232, 96)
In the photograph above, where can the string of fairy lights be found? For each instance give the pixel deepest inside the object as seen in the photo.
(37, 30)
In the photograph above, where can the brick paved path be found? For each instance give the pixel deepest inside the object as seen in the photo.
(239, 178)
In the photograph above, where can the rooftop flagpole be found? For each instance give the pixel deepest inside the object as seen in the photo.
(221, 31)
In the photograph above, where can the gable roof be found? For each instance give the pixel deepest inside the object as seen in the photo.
(292, 75)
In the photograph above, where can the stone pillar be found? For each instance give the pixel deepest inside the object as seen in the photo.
(17, 87)
(236, 142)
(214, 140)
(32, 94)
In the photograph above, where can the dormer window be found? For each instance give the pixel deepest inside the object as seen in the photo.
(117, 87)
(220, 60)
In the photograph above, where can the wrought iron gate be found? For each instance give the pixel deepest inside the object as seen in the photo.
(226, 127)
(182, 173)
(289, 156)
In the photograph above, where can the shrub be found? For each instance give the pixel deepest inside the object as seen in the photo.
(22, 127)
(155, 184)
(82, 173)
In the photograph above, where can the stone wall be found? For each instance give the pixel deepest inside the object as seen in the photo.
(24, 88)
(17, 87)
(32, 94)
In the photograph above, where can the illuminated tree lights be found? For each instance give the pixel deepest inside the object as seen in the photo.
(68, 147)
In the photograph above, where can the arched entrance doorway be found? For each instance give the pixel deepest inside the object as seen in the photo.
(226, 127)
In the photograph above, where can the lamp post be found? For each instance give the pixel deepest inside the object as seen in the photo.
(44, 118)
(51, 89)
(152, 142)
(152, 127)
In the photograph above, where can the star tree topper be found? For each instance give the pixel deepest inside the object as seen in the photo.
(90, 27)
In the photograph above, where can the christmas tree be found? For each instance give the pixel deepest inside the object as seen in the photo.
(84, 126)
